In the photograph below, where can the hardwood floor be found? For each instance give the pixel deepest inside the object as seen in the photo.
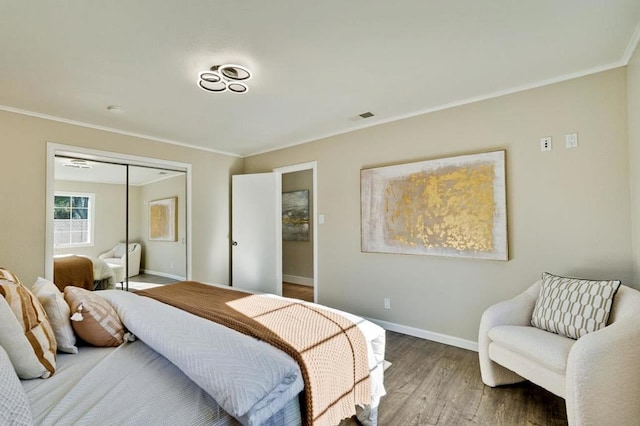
(144, 281)
(435, 384)
(297, 291)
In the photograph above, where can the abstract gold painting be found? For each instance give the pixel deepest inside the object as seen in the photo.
(452, 206)
(163, 219)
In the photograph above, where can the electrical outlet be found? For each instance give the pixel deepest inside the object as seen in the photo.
(571, 140)
(387, 303)
(545, 144)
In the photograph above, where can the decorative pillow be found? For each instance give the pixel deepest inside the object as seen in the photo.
(573, 307)
(58, 312)
(7, 275)
(14, 405)
(25, 332)
(93, 318)
(118, 250)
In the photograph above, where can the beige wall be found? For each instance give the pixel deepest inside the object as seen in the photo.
(166, 257)
(110, 208)
(568, 210)
(297, 256)
(633, 83)
(23, 141)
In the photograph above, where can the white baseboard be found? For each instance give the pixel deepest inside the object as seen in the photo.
(293, 279)
(162, 274)
(425, 334)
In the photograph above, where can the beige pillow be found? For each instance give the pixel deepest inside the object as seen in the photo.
(93, 319)
(25, 332)
(7, 275)
(58, 312)
(573, 307)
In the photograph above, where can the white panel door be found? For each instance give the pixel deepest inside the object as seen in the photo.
(256, 232)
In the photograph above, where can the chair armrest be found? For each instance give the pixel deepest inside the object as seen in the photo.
(603, 376)
(106, 255)
(515, 311)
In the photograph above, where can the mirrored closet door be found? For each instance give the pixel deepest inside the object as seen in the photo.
(116, 225)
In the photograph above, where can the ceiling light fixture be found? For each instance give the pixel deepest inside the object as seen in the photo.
(115, 108)
(221, 78)
(78, 164)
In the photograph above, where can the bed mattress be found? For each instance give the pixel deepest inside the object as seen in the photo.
(128, 385)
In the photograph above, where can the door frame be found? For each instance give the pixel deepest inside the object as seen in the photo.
(54, 149)
(313, 166)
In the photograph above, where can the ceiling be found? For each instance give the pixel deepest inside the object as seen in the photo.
(316, 65)
(101, 172)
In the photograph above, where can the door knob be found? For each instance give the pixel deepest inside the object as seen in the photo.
(235, 243)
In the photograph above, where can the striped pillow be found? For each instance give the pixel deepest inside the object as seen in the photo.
(93, 319)
(25, 332)
(7, 275)
(573, 307)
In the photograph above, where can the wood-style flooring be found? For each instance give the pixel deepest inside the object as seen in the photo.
(297, 291)
(435, 384)
(144, 281)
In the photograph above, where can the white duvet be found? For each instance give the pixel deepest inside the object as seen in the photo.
(250, 379)
(183, 370)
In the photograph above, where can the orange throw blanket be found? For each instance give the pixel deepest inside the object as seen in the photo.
(330, 349)
(73, 270)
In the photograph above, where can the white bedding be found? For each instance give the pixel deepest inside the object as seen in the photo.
(249, 378)
(216, 371)
(128, 385)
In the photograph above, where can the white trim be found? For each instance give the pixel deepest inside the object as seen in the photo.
(313, 166)
(631, 47)
(160, 274)
(516, 89)
(112, 130)
(426, 334)
(54, 149)
(294, 279)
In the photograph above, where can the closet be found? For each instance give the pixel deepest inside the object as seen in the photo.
(128, 215)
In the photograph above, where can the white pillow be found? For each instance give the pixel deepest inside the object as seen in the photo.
(58, 312)
(14, 405)
(118, 251)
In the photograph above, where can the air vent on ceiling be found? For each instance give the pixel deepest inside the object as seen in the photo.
(367, 114)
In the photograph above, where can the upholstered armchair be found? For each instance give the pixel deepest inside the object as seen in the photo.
(116, 256)
(598, 374)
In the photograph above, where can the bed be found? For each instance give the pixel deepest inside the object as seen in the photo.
(82, 271)
(184, 369)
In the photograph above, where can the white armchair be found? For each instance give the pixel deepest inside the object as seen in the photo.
(116, 256)
(598, 374)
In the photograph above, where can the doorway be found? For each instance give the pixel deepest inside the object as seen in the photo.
(119, 190)
(299, 249)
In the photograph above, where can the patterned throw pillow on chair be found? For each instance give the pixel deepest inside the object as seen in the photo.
(573, 307)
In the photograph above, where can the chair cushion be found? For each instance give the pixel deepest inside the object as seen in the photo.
(547, 349)
(113, 260)
(573, 307)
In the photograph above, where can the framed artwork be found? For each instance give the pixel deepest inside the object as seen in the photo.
(295, 216)
(452, 206)
(163, 219)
